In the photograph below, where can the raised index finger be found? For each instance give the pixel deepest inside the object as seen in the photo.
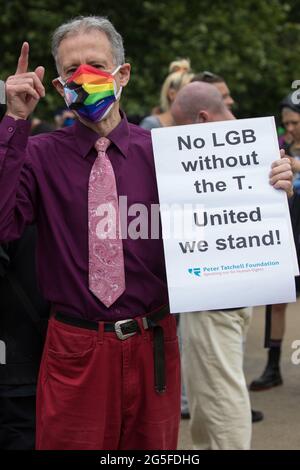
(23, 59)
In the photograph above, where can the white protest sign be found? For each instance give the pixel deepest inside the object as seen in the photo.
(227, 232)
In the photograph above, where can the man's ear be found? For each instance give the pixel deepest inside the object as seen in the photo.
(58, 86)
(124, 74)
(203, 116)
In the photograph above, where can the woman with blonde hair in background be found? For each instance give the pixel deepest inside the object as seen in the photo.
(179, 75)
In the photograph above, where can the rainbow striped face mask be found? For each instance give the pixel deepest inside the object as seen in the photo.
(91, 92)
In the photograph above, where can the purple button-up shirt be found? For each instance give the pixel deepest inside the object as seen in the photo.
(44, 180)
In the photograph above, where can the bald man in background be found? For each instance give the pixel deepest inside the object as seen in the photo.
(213, 340)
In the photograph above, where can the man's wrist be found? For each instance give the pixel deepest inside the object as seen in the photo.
(15, 116)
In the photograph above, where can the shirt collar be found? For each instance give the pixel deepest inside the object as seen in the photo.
(86, 137)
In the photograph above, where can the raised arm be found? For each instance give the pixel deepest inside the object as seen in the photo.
(24, 89)
(17, 182)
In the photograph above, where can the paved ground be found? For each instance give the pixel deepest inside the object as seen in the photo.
(281, 405)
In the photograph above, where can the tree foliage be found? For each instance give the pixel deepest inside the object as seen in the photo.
(254, 45)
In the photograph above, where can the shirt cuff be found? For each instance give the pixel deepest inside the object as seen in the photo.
(15, 132)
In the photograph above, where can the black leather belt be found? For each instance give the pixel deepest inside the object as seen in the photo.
(125, 329)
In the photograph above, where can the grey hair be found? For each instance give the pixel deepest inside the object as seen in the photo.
(87, 23)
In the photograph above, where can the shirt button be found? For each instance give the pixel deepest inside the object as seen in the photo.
(10, 129)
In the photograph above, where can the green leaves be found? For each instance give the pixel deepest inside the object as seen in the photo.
(254, 45)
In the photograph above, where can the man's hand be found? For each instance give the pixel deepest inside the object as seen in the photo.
(24, 89)
(295, 164)
(281, 176)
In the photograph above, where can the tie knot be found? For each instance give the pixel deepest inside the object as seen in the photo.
(102, 144)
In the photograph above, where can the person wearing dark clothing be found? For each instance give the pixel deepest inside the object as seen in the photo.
(275, 314)
(23, 319)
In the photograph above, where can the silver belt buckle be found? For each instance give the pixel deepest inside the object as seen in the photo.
(119, 332)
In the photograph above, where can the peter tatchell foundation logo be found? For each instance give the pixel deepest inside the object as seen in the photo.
(233, 268)
(195, 271)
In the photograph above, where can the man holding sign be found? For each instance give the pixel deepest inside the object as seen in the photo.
(110, 374)
(213, 340)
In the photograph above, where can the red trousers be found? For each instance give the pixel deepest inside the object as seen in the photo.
(97, 392)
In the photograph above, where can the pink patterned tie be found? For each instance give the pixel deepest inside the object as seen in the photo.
(106, 261)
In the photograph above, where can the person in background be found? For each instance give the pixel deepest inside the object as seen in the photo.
(179, 75)
(23, 317)
(63, 117)
(290, 117)
(42, 127)
(218, 82)
(213, 340)
(284, 137)
(271, 376)
(23, 321)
